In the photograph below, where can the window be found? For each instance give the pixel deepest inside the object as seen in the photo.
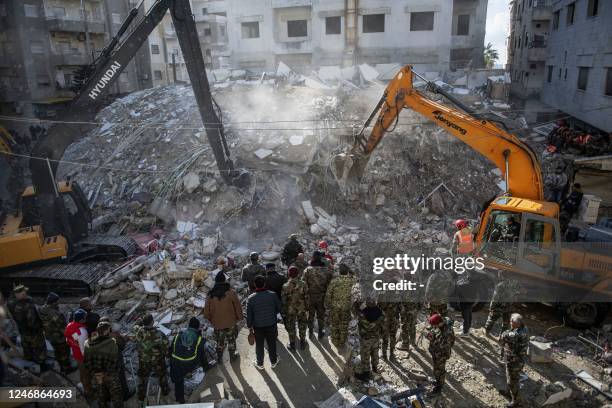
(67, 80)
(593, 8)
(36, 47)
(154, 49)
(463, 24)
(556, 15)
(608, 90)
(373, 23)
(207, 32)
(42, 80)
(571, 9)
(250, 29)
(532, 66)
(565, 75)
(422, 21)
(560, 73)
(30, 10)
(116, 18)
(222, 31)
(59, 12)
(204, 11)
(538, 25)
(297, 28)
(157, 75)
(332, 25)
(583, 78)
(550, 73)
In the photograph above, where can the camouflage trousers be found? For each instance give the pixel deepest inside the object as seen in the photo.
(389, 333)
(316, 307)
(108, 389)
(368, 350)
(290, 321)
(439, 368)
(62, 354)
(34, 348)
(496, 311)
(513, 375)
(144, 372)
(339, 320)
(409, 322)
(228, 336)
(440, 308)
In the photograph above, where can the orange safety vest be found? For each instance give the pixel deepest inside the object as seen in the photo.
(465, 242)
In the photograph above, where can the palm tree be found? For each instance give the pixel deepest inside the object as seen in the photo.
(490, 56)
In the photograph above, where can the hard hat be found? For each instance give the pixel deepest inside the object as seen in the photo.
(460, 224)
(323, 245)
(435, 319)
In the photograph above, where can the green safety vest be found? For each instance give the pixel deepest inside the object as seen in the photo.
(195, 352)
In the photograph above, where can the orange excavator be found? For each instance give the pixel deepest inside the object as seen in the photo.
(519, 231)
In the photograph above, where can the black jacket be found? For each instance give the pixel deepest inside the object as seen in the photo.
(275, 282)
(262, 308)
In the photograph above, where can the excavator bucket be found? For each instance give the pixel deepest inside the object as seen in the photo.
(348, 170)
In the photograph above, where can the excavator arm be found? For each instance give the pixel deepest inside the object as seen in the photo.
(518, 163)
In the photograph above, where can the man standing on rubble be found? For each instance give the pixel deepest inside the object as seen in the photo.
(338, 302)
(295, 302)
(54, 323)
(274, 280)
(317, 278)
(501, 306)
(390, 324)
(251, 270)
(223, 311)
(100, 359)
(188, 352)
(371, 319)
(291, 250)
(514, 343)
(300, 263)
(121, 343)
(441, 339)
(152, 347)
(28, 321)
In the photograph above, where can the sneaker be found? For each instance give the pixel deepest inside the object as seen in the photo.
(274, 364)
(259, 366)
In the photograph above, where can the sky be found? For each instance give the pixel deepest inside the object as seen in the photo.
(498, 22)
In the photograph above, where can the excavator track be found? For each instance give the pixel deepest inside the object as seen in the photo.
(79, 277)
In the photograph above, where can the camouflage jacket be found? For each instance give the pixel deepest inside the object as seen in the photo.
(26, 316)
(390, 309)
(506, 291)
(441, 339)
(54, 323)
(317, 279)
(295, 298)
(291, 251)
(371, 328)
(151, 343)
(250, 271)
(301, 265)
(101, 355)
(515, 343)
(439, 287)
(338, 295)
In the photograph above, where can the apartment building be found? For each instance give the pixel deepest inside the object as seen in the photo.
(436, 35)
(560, 58)
(42, 44)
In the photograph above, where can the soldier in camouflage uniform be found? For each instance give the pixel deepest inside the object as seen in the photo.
(317, 278)
(295, 308)
(252, 269)
(152, 348)
(409, 311)
(371, 320)
(514, 342)
(500, 306)
(28, 321)
(291, 250)
(54, 324)
(438, 289)
(441, 339)
(300, 263)
(100, 359)
(338, 302)
(390, 326)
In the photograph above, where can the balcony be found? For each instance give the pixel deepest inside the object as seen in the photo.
(210, 18)
(541, 10)
(216, 7)
(293, 47)
(74, 58)
(537, 50)
(75, 25)
(291, 3)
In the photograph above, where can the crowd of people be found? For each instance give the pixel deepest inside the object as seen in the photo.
(313, 295)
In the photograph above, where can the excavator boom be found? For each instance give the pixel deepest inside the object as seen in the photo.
(518, 163)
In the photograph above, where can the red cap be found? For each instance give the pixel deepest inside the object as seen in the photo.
(323, 244)
(293, 271)
(435, 319)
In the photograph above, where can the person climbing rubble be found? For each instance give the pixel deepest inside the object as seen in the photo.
(514, 344)
(24, 312)
(295, 303)
(251, 270)
(223, 310)
(54, 323)
(441, 340)
(121, 344)
(152, 348)
(187, 353)
(317, 278)
(338, 303)
(291, 250)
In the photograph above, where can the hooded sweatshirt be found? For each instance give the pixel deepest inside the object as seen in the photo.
(188, 352)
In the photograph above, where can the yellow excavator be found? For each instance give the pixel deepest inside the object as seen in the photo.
(575, 277)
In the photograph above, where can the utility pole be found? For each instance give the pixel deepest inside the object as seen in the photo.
(86, 30)
(174, 65)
